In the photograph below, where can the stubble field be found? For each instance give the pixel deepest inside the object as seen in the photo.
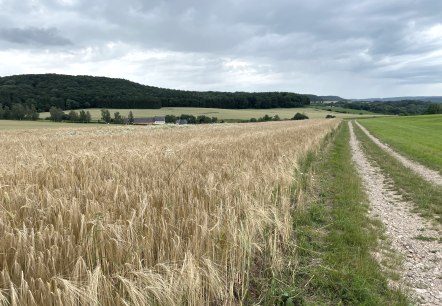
(123, 215)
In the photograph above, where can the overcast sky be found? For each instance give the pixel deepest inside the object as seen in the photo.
(364, 48)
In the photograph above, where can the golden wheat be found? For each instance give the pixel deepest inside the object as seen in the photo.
(147, 216)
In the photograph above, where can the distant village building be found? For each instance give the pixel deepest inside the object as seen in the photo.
(143, 121)
(150, 120)
(160, 120)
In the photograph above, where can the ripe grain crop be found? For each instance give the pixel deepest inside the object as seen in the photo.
(147, 216)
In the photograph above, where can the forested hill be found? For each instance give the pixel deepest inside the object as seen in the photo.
(403, 107)
(319, 99)
(74, 92)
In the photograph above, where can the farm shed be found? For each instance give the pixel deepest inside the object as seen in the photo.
(159, 120)
(150, 120)
(143, 121)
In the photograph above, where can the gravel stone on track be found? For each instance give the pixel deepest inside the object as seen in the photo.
(426, 173)
(422, 267)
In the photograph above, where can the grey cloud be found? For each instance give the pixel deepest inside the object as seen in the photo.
(356, 39)
(33, 36)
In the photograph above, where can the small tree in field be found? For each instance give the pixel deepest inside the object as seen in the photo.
(73, 116)
(130, 118)
(56, 114)
(106, 116)
(82, 116)
(118, 119)
(88, 117)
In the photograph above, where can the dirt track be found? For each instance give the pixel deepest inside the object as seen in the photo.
(427, 174)
(422, 267)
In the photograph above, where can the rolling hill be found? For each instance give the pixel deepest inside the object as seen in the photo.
(75, 92)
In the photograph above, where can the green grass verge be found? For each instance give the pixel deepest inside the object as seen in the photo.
(426, 197)
(335, 238)
(220, 113)
(417, 137)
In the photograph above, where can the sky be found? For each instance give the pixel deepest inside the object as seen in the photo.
(355, 49)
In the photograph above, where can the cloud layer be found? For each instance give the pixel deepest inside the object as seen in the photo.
(350, 48)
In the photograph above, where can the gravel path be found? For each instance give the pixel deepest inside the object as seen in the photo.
(427, 174)
(422, 265)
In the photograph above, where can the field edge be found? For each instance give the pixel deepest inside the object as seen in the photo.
(335, 236)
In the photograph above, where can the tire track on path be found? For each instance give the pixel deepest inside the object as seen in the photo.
(422, 259)
(426, 173)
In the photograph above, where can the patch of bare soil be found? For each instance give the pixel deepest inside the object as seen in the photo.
(426, 173)
(411, 235)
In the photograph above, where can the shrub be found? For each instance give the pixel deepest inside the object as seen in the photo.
(201, 119)
(171, 118)
(265, 118)
(299, 116)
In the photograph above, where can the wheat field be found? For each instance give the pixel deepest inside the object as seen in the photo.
(119, 215)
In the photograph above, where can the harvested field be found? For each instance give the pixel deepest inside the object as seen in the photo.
(147, 216)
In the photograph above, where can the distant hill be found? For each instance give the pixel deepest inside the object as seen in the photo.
(397, 107)
(434, 99)
(74, 92)
(315, 98)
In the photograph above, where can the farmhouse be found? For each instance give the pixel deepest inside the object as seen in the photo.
(159, 120)
(150, 120)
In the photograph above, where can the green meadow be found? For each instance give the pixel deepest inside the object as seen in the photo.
(417, 137)
(338, 109)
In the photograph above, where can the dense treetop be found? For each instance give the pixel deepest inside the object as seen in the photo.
(74, 92)
(404, 107)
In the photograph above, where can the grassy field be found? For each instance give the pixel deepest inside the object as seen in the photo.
(342, 110)
(419, 137)
(118, 215)
(223, 114)
(426, 196)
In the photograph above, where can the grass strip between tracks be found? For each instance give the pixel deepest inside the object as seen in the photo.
(336, 238)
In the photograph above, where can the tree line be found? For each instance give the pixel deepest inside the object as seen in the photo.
(18, 111)
(57, 115)
(402, 108)
(44, 91)
(434, 109)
